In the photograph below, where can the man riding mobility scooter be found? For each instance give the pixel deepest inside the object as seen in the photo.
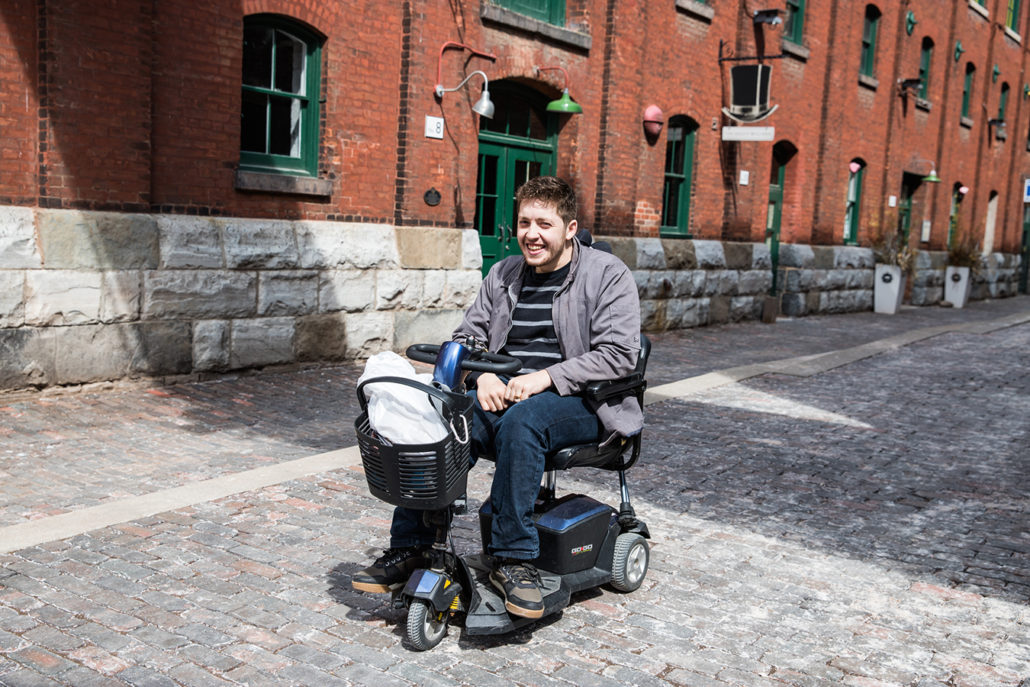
(583, 543)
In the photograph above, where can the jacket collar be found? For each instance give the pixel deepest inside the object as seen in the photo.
(517, 276)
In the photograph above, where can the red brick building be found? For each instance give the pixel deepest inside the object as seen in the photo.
(202, 186)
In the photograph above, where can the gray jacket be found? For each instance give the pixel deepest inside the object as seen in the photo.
(596, 315)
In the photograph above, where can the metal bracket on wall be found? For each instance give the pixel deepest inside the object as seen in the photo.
(742, 59)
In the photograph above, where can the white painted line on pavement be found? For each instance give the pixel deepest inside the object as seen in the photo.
(808, 365)
(77, 522)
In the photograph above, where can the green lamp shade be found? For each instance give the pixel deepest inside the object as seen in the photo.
(932, 177)
(564, 104)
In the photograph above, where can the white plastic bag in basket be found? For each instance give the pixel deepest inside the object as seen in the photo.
(400, 414)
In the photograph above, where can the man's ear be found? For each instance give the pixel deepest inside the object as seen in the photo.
(571, 229)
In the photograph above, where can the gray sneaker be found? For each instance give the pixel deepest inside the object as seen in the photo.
(520, 583)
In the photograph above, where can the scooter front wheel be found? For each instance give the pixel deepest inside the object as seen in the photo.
(629, 564)
(426, 626)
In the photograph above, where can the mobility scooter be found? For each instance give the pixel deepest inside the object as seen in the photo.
(583, 543)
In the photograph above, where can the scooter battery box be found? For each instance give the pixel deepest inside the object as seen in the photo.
(571, 530)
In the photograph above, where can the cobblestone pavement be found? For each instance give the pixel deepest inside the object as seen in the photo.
(867, 525)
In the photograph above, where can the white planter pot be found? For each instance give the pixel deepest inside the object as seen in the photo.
(888, 289)
(957, 285)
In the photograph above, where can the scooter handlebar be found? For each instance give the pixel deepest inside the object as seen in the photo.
(478, 361)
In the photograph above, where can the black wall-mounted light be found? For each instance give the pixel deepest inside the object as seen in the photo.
(998, 125)
(906, 85)
(767, 17)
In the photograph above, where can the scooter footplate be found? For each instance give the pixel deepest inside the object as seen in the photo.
(487, 615)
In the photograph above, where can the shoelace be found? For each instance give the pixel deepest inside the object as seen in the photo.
(391, 556)
(520, 573)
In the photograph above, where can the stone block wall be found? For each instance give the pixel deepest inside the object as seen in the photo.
(998, 277)
(94, 296)
(689, 283)
(825, 279)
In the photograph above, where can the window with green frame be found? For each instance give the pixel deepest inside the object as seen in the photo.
(925, 60)
(967, 89)
(854, 202)
(550, 11)
(870, 26)
(794, 26)
(679, 169)
(281, 81)
(1012, 17)
(953, 215)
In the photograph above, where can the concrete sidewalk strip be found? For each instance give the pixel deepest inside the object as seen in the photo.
(77, 522)
(809, 365)
(53, 528)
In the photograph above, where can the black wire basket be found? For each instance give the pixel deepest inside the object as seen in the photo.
(418, 476)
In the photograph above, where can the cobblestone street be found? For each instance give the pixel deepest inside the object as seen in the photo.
(848, 503)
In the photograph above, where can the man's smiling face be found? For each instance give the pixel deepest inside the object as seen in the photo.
(545, 241)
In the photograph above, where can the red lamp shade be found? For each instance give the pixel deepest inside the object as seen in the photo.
(654, 119)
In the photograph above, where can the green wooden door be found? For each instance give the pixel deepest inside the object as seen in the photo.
(1024, 264)
(519, 143)
(905, 217)
(772, 222)
(909, 184)
(502, 170)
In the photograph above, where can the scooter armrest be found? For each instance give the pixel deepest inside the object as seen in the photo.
(609, 388)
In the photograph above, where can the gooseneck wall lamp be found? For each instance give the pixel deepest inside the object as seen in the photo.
(484, 106)
(932, 176)
(565, 103)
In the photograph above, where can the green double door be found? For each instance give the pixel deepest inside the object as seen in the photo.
(502, 170)
(519, 143)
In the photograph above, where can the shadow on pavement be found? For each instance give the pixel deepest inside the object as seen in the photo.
(937, 487)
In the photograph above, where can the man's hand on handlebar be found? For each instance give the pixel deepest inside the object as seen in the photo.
(495, 396)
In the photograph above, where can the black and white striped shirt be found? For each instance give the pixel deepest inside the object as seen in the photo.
(532, 338)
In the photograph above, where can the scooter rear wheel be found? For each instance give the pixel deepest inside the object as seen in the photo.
(629, 563)
(426, 627)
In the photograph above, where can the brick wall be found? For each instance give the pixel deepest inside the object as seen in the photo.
(140, 101)
(19, 103)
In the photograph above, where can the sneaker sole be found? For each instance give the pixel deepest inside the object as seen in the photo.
(523, 612)
(373, 587)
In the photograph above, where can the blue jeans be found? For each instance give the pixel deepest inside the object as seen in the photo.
(519, 438)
